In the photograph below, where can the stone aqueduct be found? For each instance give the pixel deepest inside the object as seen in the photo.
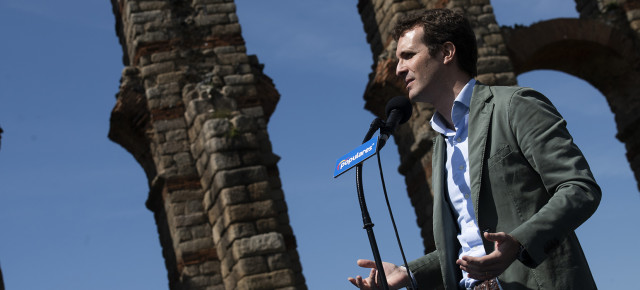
(193, 107)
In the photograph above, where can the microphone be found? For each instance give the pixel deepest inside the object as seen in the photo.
(398, 111)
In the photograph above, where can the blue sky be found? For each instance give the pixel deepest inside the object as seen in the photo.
(72, 212)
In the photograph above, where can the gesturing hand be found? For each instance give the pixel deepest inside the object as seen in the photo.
(493, 264)
(396, 276)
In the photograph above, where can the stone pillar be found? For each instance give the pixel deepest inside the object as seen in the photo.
(192, 109)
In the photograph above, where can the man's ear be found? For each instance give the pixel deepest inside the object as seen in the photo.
(448, 52)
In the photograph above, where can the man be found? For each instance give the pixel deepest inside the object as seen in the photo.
(509, 185)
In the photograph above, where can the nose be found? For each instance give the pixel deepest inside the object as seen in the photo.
(401, 69)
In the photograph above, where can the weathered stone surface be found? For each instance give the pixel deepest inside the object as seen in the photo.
(258, 245)
(271, 280)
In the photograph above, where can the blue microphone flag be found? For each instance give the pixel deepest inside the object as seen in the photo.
(358, 155)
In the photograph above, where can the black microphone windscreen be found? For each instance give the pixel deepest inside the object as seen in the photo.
(400, 103)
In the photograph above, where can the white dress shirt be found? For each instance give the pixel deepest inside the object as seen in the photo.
(457, 166)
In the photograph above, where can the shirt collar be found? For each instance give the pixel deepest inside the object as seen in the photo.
(460, 108)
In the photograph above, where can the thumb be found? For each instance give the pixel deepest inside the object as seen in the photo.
(494, 237)
(364, 263)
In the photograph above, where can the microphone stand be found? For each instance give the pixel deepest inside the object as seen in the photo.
(366, 219)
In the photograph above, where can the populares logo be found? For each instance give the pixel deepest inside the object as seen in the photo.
(355, 156)
(346, 162)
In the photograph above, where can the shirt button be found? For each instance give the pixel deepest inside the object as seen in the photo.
(466, 196)
(461, 167)
(459, 139)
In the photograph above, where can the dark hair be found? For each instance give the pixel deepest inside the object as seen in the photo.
(440, 26)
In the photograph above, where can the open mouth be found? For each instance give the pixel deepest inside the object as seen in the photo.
(408, 82)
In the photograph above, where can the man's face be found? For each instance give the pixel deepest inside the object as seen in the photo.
(417, 67)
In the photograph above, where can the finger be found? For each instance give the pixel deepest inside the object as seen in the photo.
(475, 265)
(374, 278)
(495, 237)
(359, 282)
(353, 281)
(364, 263)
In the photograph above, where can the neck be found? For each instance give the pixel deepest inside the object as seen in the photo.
(444, 105)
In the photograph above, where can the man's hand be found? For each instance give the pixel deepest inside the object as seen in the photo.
(493, 264)
(396, 276)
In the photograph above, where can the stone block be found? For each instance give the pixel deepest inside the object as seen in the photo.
(194, 206)
(493, 39)
(203, 160)
(227, 29)
(254, 112)
(229, 7)
(249, 212)
(145, 16)
(233, 91)
(193, 246)
(215, 128)
(240, 230)
(198, 282)
(267, 225)
(207, 202)
(171, 77)
(239, 79)
(234, 195)
(166, 101)
(201, 231)
(234, 58)
(153, 5)
(191, 270)
(223, 161)
(271, 280)
(202, 2)
(258, 245)
(211, 19)
(250, 266)
(217, 230)
(157, 68)
(223, 70)
(224, 49)
(243, 123)
(635, 25)
(176, 208)
(184, 196)
(172, 147)
(163, 89)
(234, 177)
(197, 107)
(251, 158)
(151, 37)
(176, 135)
(182, 234)
(189, 219)
(493, 64)
(210, 267)
(259, 190)
(278, 261)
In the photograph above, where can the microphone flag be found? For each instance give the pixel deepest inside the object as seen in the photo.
(358, 155)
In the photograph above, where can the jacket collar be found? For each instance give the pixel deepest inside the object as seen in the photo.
(480, 112)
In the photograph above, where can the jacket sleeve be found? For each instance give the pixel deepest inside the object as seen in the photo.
(545, 142)
(426, 271)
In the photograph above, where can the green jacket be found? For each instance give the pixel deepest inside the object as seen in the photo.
(528, 179)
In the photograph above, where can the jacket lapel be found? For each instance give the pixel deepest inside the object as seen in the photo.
(480, 111)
